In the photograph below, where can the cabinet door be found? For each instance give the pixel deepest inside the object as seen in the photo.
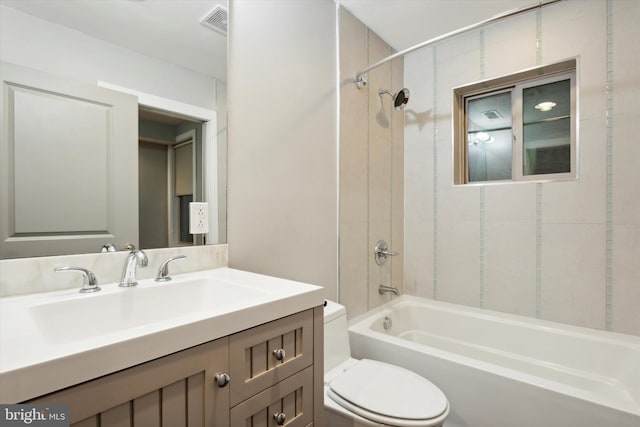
(176, 390)
(254, 361)
(291, 400)
(68, 165)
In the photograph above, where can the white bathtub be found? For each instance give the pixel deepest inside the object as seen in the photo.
(501, 370)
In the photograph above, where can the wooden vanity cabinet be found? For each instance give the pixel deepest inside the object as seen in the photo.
(266, 386)
(175, 390)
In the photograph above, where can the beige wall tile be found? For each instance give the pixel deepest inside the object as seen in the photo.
(510, 267)
(418, 258)
(626, 173)
(458, 262)
(626, 277)
(354, 266)
(572, 215)
(573, 274)
(517, 36)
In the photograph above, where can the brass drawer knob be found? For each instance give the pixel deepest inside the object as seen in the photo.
(279, 354)
(279, 418)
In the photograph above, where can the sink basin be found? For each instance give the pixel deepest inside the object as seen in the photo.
(144, 306)
(53, 340)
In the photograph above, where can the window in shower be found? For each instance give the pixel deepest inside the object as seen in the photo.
(517, 128)
(489, 136)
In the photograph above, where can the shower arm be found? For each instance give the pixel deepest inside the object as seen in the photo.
(361, 79)
(386, 91)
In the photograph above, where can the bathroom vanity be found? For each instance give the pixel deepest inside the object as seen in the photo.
(257, 359)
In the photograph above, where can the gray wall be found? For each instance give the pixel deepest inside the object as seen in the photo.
(152, 202)
(282, 190)
(42, 45)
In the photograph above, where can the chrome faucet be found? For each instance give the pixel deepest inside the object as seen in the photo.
(135, 258)
(383, 289)
(163, 271)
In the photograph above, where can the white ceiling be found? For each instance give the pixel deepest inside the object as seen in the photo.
(405, 23)
(170, 29)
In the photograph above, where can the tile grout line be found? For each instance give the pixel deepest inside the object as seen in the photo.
(482, 198)
(609, 206)
(435, 175)
(482, 245)
(538, 250)
(392, 125)
(368, 239)
(539, 188)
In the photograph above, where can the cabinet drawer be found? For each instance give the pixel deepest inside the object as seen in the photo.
(292, 397)
(254, 363)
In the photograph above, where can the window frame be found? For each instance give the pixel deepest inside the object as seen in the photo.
(516, 83)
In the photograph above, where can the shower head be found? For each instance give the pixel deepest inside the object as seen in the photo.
(400, 99)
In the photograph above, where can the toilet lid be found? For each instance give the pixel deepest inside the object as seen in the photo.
(380, 391)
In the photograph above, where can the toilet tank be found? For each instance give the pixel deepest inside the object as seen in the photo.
(336, 335)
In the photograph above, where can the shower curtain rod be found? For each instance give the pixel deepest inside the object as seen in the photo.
(361, 80)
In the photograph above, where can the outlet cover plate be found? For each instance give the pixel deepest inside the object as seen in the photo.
(198, 218)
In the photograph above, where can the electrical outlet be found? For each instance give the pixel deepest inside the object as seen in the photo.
(198, 218)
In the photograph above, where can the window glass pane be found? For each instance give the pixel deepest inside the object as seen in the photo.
(489, 137)
(547, 129)
(547, 147)
(490, 155)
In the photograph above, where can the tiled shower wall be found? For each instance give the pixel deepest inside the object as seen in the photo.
(371, 168)
(562, 251)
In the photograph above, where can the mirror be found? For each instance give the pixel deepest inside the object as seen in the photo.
(160, 51)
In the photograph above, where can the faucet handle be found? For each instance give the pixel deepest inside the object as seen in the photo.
(163, 271)
(108, 247)
(381, 252)
(89, 280)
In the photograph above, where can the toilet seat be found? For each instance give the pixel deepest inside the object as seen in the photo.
(389, 394)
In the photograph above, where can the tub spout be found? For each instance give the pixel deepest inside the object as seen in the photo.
(383, 289)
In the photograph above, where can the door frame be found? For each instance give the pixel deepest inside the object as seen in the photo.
(209, 146)
(174, 217)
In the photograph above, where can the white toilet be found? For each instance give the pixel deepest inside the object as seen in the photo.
(369, 393)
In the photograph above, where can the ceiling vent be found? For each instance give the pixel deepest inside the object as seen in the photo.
(216, 20)
(492, 114)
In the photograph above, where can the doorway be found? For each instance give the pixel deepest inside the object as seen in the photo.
(170, 177)
(208, 181)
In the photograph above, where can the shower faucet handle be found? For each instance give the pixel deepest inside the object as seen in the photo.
(381, 252)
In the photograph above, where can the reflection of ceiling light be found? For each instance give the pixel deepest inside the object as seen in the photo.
(483, 136)
(480, 138)
(545, 106)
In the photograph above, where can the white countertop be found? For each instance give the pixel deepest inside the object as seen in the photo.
(53, 340)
